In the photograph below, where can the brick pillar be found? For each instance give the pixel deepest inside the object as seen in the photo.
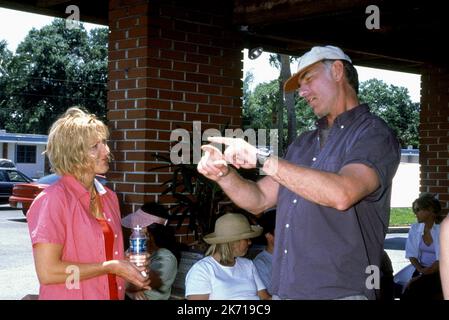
(434, 127)
(170, 63)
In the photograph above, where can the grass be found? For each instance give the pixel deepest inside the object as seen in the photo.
(401, 217)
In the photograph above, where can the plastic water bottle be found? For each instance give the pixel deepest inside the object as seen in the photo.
(138, 246)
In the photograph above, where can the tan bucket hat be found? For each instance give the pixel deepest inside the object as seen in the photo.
(232, 227)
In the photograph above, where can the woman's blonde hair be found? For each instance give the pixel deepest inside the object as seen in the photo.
(69, 139)
(225, 250)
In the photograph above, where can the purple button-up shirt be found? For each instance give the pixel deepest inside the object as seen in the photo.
(319, 251)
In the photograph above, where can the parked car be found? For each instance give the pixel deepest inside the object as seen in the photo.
(23, 194)
(8, 179)
(6, 163)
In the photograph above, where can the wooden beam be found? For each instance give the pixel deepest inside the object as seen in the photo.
(253, 12)
(95, 13)
(50, 3)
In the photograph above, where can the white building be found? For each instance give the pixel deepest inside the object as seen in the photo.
(25, 150)
(406, 181)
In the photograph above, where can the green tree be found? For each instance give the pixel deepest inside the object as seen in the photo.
(390, 102)
(393, 104)
(5, 60)
(55, 68)
(260, 105)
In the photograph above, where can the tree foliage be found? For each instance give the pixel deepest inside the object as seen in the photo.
(5, 59)
(54, 68)
(391, 103)
(260, 108)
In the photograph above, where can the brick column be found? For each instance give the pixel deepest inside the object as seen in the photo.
(170, 63)
(434, 127)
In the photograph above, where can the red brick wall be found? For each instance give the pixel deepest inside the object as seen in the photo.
(434, 128)
(169, 64)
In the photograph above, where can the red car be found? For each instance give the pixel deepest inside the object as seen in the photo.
(23, 194)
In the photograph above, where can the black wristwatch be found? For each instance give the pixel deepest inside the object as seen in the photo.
(262, 154)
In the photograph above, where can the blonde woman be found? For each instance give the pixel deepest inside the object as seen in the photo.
(75, 224)
(223, 274)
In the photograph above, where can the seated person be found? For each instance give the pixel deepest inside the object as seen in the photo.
(423, 250)
(223, 274)
(263, 261)
(161, 246)
(386, 290)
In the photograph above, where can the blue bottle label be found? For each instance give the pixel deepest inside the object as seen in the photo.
(137, 245)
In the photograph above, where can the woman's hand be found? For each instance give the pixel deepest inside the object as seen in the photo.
(128, 271)
(137, 295)
(141, 261)
(263, 294)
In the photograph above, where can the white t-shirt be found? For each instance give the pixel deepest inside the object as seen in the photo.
(239, 282)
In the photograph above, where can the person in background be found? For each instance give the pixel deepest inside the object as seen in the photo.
(163, 250)
(423, 250)
(223, 274)
(264, 260)
(74, 224)
(386, 290)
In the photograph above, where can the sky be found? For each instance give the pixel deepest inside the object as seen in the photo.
(15, 25)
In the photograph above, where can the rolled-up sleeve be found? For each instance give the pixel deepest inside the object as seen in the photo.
(377, 147)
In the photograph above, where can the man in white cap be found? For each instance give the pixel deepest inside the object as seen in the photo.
(332, 189)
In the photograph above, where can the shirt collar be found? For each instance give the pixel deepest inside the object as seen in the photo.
(79, 189)
(345, 118)
(100, 188)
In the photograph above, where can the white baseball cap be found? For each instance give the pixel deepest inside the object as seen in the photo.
(315, 55)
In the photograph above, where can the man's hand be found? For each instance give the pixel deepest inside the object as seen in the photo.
(239, 153)
(212, 164)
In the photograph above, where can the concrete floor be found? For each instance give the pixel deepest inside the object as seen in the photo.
(395, 248)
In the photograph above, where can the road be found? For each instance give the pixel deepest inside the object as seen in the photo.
(17, 274)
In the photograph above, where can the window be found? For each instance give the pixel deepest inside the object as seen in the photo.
(15, 176)
(26, 154)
